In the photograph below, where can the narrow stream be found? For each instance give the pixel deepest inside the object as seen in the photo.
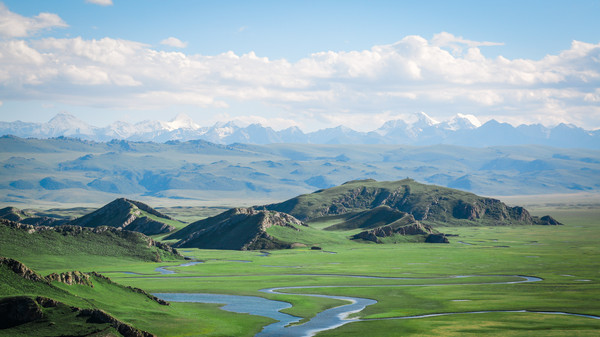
(333, 317)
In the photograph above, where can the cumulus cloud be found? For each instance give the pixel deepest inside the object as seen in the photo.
(348, 87)
(100, 2)
(13, 25)
(174, 42)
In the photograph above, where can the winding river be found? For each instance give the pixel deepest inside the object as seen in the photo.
(333, 317)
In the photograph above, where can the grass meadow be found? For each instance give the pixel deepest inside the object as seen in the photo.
(565, 257)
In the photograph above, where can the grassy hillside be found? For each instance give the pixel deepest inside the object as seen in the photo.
(238, 228)
(82, 246)
(131, 215)
(427, 203)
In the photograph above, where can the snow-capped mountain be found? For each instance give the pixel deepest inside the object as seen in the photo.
(419, 129)
(461, 122)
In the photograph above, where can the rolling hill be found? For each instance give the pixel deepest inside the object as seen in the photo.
(34, 305)
(381, 212)
(237, 228)
(430, 204)
(130, 215)
(20, 240)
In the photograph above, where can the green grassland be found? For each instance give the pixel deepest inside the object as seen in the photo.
(565, 257)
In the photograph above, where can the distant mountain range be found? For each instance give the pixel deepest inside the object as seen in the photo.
(463, 130)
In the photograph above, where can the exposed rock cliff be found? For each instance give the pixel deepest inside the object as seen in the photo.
(71, 277)
(21, 270)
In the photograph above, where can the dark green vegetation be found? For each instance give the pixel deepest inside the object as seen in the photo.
(58, 172)
(238, 228)
(43, 306)
(130, 215)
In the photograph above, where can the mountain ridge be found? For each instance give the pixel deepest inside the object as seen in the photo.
(461, 129)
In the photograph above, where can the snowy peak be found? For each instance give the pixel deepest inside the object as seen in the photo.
(424, 121)
(461, 122)
(182, 121)
(68, 125)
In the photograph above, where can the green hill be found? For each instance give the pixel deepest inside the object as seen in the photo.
(430, 204)
(237, 228)
(67, 304)
(74, 242)
(378, 216)
(17, 215)
(130, 215)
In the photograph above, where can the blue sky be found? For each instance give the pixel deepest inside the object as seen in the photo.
(307, 63)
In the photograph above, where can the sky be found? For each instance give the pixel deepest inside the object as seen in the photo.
(311, 64)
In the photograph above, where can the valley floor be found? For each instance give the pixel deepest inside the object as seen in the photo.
(564, 257)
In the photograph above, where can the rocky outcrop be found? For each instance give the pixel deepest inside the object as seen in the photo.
(71, 278)
(376, 234)
(237, 228)
(547, 220)
(436, 238)
(126, 214)
(22, 270)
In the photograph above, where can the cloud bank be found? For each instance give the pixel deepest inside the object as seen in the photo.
(443, 75)
(13, 25)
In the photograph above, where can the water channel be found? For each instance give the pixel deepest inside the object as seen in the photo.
(330, 318)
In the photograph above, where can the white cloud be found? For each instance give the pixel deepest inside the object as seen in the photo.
(350, 87)
(100, 2)
(13, 25)
(174, 42)
(457, 43)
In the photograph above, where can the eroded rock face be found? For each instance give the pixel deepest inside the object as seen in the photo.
(21, 270)
(71, 277)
